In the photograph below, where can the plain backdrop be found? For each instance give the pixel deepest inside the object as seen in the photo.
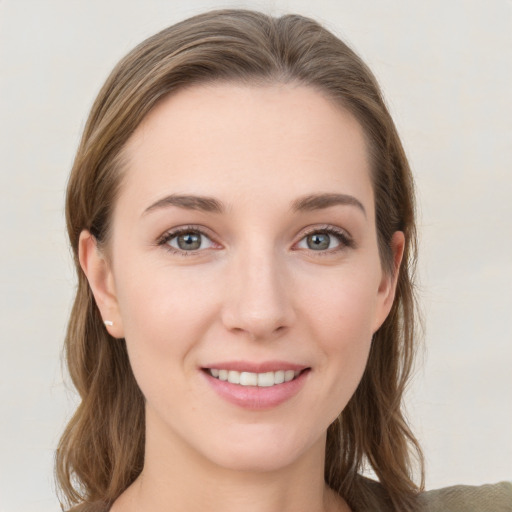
(445, 68)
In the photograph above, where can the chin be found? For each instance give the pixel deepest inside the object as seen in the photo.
(262, 451)
(255, 460)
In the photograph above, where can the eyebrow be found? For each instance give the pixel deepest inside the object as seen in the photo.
(189, 202)
(320, 201)
(209, 204)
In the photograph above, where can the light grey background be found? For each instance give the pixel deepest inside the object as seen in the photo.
(445, 67)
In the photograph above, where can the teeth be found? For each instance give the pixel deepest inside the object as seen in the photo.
(288, 375)
(248, 379)
(279, 377)
(234, 377)
(266, 379)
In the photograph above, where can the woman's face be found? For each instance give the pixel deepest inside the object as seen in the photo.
(244, 247)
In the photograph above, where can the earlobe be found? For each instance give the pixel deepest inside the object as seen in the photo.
(98, 272)
(387, 287)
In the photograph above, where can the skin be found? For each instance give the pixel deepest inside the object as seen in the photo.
(254, 291)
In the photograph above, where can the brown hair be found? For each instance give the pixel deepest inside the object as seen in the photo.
(102, 449)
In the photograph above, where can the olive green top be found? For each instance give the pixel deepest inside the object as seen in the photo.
(466, 498)
(458, 498)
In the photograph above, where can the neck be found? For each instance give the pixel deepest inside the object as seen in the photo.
(177, 478)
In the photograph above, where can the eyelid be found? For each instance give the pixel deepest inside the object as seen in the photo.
(344, 237)
(179, 230)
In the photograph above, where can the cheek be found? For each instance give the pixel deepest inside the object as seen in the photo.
(163, 303)
(342, 319)
(344, 308)
(165, 315)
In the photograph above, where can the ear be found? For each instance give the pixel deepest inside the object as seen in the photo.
(101, 280)
(387, 286)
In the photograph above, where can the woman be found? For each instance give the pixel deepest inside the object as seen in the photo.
(242, 217)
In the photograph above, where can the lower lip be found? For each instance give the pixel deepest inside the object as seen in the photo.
(256, 397)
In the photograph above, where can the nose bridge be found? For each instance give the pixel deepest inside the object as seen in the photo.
(258, 300)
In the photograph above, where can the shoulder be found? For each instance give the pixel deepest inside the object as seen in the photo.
(459, 498)
(467, 498)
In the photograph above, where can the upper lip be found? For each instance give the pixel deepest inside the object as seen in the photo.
(262, 367)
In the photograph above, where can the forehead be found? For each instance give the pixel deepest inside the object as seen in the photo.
(241, 141)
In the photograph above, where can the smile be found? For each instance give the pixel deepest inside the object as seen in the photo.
(257, 389)
(266, 379)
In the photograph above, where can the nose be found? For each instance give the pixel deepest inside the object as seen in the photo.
(257, 296)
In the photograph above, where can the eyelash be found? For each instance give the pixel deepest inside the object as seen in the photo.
(344, 239)
(342, 236)
(169, 235)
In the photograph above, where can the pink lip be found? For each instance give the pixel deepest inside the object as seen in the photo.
(265, 366)
(255, 397)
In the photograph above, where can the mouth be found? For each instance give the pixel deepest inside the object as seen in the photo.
(246, 378)
(256, 386)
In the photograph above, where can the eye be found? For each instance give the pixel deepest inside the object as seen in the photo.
(186, 240)
(328, 239)
(319, 241)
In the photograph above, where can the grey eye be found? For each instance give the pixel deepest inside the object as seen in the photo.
(318, 241)
(190, 241)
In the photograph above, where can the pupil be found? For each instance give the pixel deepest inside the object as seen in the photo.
(189, 241)
(318, 241)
